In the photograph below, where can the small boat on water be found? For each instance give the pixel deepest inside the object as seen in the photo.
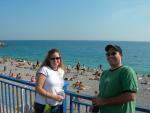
(2, 44)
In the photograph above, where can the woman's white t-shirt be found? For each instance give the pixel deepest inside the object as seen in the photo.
(54, 83)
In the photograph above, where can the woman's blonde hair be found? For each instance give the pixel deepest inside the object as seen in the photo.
(46, 62)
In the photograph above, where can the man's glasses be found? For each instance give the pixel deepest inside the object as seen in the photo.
(55, 58)
(113, 54)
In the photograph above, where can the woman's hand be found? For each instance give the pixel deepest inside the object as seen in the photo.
(58, 98)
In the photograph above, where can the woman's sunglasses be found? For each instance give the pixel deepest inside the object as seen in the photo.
(55, 58)
(113, 54)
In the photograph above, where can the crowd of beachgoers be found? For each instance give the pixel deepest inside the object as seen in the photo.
(81, 79)
(26, 70)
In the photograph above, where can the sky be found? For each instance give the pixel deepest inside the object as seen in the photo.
(118, 20)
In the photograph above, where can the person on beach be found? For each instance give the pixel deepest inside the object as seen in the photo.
(33, 79)
(49, 83)
(96, 93)
(118, 85)
(78, 67)
(37, 63)
(5, 68)
(68, 68)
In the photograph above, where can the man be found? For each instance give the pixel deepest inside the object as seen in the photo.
(118, 85)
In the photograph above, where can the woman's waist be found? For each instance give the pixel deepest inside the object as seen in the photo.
(37, 103)
(44, 100)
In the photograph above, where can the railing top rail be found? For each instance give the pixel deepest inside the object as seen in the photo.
(143, 109)
(7, 77)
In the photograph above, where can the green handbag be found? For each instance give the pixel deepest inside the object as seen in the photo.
(47, 108)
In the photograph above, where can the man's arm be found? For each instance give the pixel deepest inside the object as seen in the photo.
(123, 98)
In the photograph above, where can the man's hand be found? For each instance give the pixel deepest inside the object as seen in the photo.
(98, 101)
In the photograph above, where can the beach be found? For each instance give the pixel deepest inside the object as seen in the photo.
(89, 78)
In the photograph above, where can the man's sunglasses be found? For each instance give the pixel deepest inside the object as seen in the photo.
(113, 54)
(55, 58)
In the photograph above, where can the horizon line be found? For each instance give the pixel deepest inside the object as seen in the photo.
(71, 40)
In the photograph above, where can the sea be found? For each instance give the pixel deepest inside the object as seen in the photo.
(90, 53)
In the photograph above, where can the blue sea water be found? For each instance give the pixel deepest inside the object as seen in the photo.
(90, 53)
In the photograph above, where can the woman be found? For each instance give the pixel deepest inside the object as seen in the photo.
(49, 85)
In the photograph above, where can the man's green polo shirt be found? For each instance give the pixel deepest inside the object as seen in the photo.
(114, 83)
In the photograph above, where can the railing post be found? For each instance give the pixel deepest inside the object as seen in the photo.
(65, 100)
(6, 98)
(71, 104)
